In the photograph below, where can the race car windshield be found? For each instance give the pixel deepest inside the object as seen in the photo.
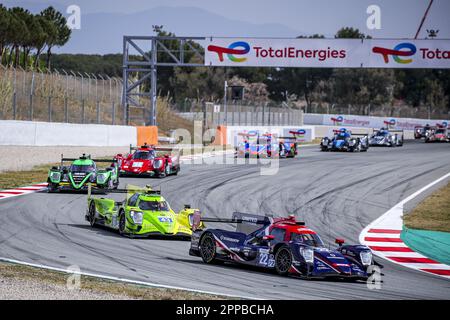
(440, 131)
(341, 136)
(308, 239)
(144, 155)
(82, 168)
(382, 133)
(154, 205)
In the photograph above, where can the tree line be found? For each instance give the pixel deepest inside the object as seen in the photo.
(24, 36)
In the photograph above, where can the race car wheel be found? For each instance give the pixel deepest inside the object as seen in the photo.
(208, 248)
(283, 261)
(92, 213)
(122, 223)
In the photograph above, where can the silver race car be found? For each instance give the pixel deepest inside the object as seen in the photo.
(386, 138)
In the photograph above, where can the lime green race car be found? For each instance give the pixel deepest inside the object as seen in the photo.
(143, 213)
(81, 171)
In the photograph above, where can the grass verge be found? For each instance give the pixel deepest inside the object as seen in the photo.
(14, 179)
(100, 286)
(433, 213)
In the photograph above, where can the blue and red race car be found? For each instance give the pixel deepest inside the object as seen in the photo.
(281, 244)
(267, 145)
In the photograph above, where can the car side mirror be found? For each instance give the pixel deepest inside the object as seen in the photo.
(54, 168)
(120, 155)
(339, 242)
(268, 237)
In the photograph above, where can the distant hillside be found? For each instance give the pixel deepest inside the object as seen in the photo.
(102, 33)
(110, 64)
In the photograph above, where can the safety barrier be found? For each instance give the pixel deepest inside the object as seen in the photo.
(28, 133)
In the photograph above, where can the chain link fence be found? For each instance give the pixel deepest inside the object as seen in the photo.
(213, 114)
(60, 96)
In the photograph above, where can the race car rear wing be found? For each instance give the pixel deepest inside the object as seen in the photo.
(390, 130)
(161, 149)
(246, 222)
(88, 157)
(130, 190)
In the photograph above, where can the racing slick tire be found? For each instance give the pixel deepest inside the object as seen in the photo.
(92, 214)
(283, 260)
(208, 249)
(122, 223)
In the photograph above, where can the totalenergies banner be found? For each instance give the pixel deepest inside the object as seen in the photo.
(327, 53)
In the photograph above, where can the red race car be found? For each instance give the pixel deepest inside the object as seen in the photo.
(440, 134)
(149, 161)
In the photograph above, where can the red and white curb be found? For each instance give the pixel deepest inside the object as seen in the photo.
(4, 194)
(382, 236)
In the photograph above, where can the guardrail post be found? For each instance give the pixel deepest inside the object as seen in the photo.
(82, 111)
(14, 100)
(66, 111)
(98, 112)
(113, 113)
(49, 109)
(31, 108)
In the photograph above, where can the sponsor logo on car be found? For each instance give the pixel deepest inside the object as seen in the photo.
(228, 239)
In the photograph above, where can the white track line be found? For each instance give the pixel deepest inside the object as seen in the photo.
(383, 237)
(148, 284)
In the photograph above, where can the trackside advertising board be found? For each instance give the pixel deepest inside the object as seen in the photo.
(327, 53)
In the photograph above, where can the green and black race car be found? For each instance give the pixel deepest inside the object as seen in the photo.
(80, 172)
(143, 213)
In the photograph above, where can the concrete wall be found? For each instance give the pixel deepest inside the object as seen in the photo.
(27, 133)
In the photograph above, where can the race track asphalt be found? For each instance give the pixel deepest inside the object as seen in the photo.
(337, 194)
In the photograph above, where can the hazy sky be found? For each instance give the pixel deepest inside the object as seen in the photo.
(400, 18)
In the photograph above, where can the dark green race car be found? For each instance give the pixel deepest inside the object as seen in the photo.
(80, 172)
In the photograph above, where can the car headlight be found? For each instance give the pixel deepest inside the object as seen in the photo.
(136, 216)
(366, 258)
(55, 175)
(307, 254)
(101, 179)
(157, 164)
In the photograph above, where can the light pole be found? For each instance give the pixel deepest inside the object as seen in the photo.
(225, 107)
